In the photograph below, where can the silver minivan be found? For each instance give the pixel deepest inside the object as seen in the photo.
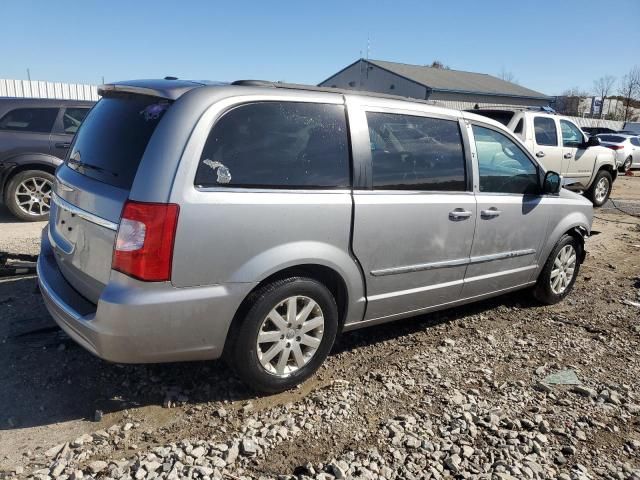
(255, 221)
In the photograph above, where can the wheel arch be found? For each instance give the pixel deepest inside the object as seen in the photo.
(19, 164)
(577, 225)
(608, 168)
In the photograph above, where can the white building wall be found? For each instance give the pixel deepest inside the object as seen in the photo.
(40, 89)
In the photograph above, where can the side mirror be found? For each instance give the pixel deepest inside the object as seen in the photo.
(552, 182)
(593, 142)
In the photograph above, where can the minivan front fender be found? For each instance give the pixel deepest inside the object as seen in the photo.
(576, 221)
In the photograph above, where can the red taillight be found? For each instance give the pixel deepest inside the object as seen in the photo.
(144, 244)
(615, 147)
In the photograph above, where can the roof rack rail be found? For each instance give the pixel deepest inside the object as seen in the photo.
(514, 108)
(253, 83)
(315, 88)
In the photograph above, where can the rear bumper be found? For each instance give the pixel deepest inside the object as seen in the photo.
(138, 322)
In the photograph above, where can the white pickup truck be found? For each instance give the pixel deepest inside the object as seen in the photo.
(560, 145)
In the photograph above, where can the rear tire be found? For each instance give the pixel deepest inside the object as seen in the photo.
(272, 352)
(600, 189)
(560, 271)
(626, 166)
(28, 195)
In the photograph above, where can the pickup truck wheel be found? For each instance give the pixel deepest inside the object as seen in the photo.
(28, 195)
(600, 188)
(626, 166)
(560, 271)
(284, 336)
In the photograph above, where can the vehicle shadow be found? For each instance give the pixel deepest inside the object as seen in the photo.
(48, 379)
(5, 215)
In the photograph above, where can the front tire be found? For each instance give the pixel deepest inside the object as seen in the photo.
(560, 271)
(600, 188)
(28, 195)
(286, 333)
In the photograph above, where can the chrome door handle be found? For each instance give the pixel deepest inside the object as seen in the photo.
(490, 213)
(540, 154)
(459, 214)
(568, 155)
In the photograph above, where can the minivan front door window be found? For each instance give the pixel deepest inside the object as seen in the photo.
(503, 166)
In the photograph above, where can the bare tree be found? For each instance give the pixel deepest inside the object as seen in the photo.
(602, 87)
(507, 76)
(570, 101)
(439, 64)
(575, 92)
(629, 88)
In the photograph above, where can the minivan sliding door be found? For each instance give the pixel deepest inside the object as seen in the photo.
(414, 217)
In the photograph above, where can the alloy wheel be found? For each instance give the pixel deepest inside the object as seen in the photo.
(602, 188)
(563, 270)
(290, 335)
(33, 196)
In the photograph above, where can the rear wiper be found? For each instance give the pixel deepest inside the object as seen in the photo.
(88, 166)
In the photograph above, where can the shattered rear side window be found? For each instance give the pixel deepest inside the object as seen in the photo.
(277, 145)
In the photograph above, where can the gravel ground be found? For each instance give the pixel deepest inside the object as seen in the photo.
(17, 236)
(503, 389)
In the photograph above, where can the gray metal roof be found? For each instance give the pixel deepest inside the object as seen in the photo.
(443, 80)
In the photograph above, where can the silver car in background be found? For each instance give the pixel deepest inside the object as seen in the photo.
(256, 221)
(626, 149)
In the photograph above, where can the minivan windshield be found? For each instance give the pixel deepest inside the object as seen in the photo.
(113, 137)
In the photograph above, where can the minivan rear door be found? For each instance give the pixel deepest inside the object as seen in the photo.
(94, 183)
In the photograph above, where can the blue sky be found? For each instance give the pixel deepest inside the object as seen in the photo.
(548, 45)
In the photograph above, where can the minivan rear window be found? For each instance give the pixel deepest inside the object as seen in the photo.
(113, 137)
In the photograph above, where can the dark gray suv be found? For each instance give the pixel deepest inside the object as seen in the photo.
(35, 135)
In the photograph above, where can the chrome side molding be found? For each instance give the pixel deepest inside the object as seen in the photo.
(452, 263)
